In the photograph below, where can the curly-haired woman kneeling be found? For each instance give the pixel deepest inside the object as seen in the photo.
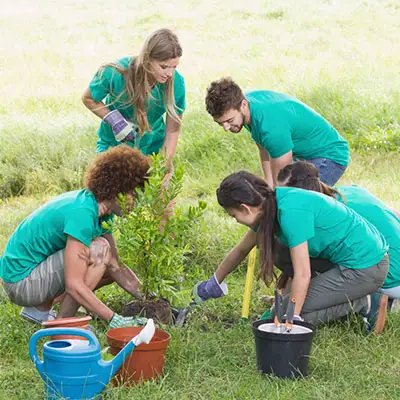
(62, 248)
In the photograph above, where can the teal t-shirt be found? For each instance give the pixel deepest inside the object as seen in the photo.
(281, 123)
(333, 231)
(45, 231)
(108, 84)
(377, 213)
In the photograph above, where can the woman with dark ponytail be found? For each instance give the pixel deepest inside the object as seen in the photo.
(305, 175)
(310, 224)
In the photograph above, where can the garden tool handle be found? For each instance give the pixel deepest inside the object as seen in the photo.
(278, 307)
(248, 283)
(58, 331)
(290, 313)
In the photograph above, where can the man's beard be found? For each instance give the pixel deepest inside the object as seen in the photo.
(238, 128)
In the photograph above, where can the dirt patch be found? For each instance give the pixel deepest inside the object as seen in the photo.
(158, 309)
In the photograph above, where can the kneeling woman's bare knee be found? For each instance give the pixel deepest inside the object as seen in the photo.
(100, 251)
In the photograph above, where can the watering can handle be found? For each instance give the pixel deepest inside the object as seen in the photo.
(58, 331)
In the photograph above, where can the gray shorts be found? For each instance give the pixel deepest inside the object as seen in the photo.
(43, 284)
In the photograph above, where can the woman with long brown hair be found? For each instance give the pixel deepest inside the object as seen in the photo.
(133, 95)
(311, 225)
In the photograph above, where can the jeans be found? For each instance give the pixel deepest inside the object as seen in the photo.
(329, 171)
(393, 292)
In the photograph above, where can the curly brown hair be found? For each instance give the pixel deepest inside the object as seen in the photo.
(120, 169)
(222, 96)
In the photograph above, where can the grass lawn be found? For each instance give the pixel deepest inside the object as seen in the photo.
(340, 57)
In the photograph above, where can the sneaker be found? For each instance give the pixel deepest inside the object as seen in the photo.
(375, 319)
(33, 314)
(52, 315)
(395, 306)
(390, 304)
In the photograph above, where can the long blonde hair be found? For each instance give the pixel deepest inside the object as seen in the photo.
(161, 45)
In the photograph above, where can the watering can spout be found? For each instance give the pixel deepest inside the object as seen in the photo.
(144, 336)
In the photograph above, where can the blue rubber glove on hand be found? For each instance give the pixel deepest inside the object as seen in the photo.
(209, 289)
(118, 321)
(122, 129)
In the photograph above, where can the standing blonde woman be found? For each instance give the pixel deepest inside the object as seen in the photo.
(132, 95)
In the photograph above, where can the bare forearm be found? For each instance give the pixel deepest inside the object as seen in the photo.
(97, 108)
(168, 150)
(125, 278)
(230, 263)
(172, 132)
(275, 167)
(85, 297)
(266, 167)
(276, 164)
(299, 291)
(236, 255)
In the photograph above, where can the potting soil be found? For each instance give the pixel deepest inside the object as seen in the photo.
(158, 309)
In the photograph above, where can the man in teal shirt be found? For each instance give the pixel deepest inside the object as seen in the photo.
(284, 129)
(62, 247)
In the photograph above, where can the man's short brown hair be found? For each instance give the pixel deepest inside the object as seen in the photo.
(120, 169)
(222, 96)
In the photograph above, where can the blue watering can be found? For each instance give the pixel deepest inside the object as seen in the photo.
(73, 369)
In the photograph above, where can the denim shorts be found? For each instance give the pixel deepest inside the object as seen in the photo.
(329, 171)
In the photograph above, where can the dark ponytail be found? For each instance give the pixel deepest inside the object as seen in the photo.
(266, 238)
(245, 188)
(305, 175)
(330, 191)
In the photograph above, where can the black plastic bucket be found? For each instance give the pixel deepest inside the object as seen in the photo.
(285, 355)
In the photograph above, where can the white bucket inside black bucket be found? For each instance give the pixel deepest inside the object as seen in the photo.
(281, 353)
(272, 328)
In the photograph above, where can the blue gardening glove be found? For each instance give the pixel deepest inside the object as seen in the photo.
(122, 129)
(209, 289)
(118, 321)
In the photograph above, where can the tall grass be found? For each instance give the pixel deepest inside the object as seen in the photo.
(340, 57)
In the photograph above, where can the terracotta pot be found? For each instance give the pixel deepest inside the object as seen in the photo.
(73, 322)
(145, 362)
